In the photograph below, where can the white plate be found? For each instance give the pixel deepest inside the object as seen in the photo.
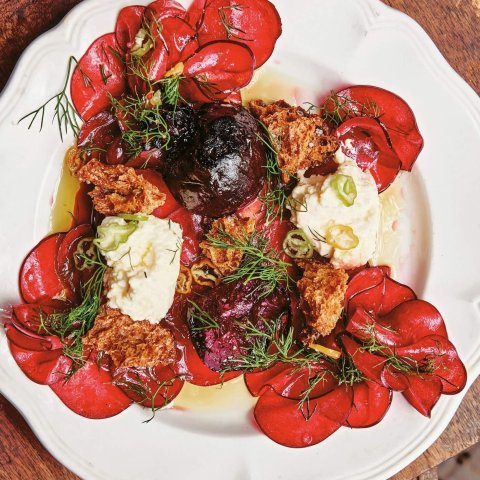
(325, 42)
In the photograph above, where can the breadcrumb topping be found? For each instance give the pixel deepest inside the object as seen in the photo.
(301, 138)
(322, 289)
(119, 189)
(227, 260)
(130, 343)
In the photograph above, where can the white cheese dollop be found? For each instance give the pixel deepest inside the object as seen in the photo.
(316, 207)
(145, 268)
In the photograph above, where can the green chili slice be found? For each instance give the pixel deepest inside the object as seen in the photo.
(297, 245)
(138, 217)
(112, 235)
(341, 237)
(345, 189)
(142, 45)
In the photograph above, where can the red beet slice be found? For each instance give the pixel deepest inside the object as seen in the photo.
(170, 204)
(115, 152)
(99, 73)
(151, 387)
(39, 280)
(45, 368)
(29, 315)
(255, 23)
(284, 422)
(423, 392)
(371, 402)
(374, 291)
(368, 364)
(394, 379)
(363, 140)
(98, 133)
(89, 392)
(65, 263)
(396, 117)
(256, 382)
(220, 68)
(289, 382)
(129, 21)
(438, 351)
(163, 9)
(189, 224)
(180, 40)
(31, 341)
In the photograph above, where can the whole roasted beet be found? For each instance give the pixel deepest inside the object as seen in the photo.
(218, 318)
(225, 167)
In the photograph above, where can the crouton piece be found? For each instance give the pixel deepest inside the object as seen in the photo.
(130, 343)
(322, 289)
(301, 138)
(227, 260)
(119, 189)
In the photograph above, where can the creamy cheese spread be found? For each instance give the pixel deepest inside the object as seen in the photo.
(145, 267)
(318, 210)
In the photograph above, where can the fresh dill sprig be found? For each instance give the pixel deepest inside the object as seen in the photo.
(201, 319)
(275, 198)
(145, 126)
(146, 398)
(259, 262)
(64, 111)
(231, 30)
(304, 402)
(405, 365)
(338, 108)
(72, 325)
(170, 90)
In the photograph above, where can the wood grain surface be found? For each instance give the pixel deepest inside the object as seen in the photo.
(454, 26)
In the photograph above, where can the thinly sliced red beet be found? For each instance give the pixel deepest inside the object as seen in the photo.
(99, 73)
(363, 140)
(151, 387)
(65, 262)
(220, 68)
(46, 368)
(163, 9)
(180, 39)
(98, 133)
(116, 152)
(289, 382)
(189, 224)
(129, 21)
(284, 422)
(396, 118)
(29, 315)
(374, 291)
(368, 364)
(394, 379)
(41, 359)
(83, 208)
(89, 392)
(255, 23)
(442, 354)
(423, 392)
(371, 402)
(39, 280)
(170, 204)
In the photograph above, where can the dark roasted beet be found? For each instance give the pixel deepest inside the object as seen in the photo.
(232, 305)
(182, 126)
(225, 167)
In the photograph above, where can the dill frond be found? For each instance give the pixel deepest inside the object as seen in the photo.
(64, 112)
(260, 262)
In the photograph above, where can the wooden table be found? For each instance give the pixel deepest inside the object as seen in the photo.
(453, 25)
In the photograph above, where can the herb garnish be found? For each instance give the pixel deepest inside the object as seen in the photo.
(201, 319)
(259, 262)
(72, 325)
(64, 111)
(338, 108)
(275, 199)
(231, 30)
